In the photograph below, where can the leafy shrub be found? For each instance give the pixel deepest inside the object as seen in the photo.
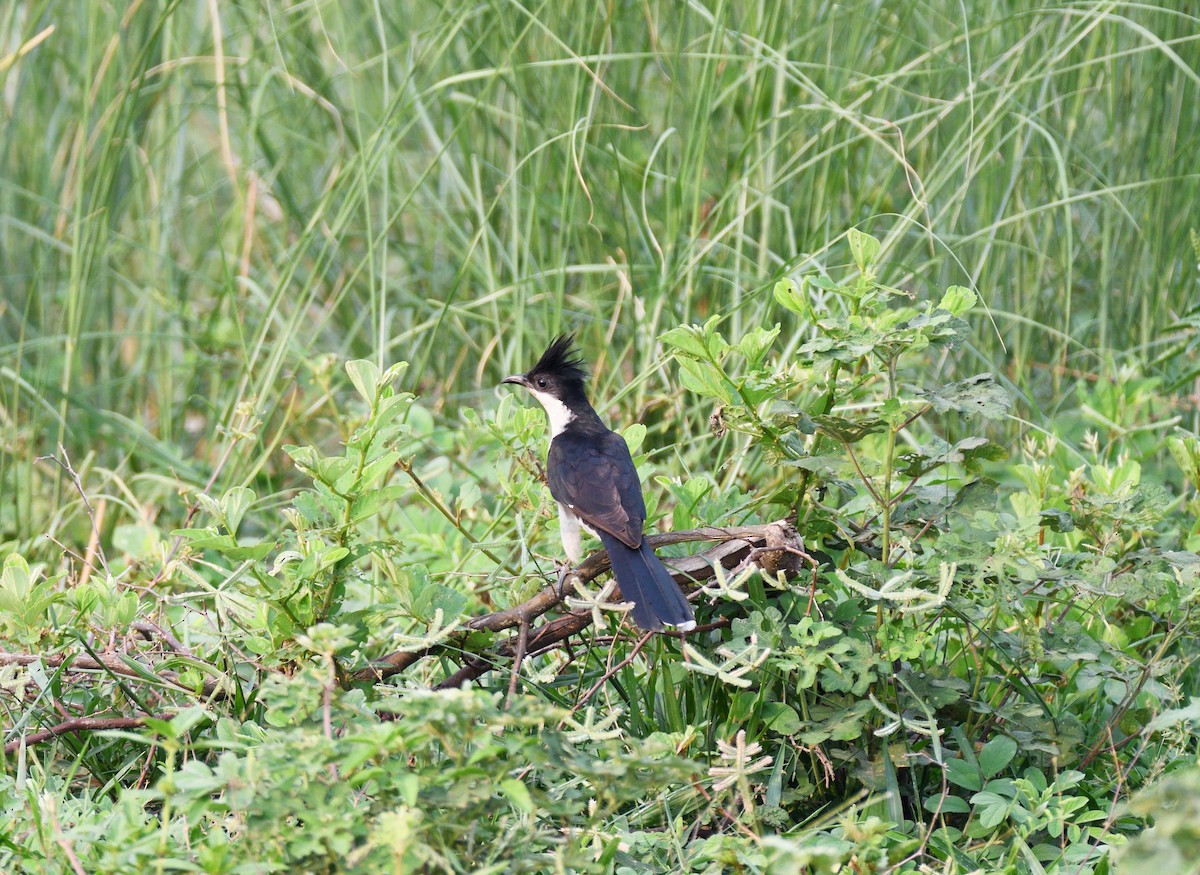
(957, 665)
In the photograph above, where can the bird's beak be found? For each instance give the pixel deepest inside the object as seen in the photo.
(517, 379)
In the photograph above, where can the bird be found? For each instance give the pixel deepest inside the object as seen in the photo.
(593, 480)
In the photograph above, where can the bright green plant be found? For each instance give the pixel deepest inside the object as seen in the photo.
(930, 558)
(201, 213)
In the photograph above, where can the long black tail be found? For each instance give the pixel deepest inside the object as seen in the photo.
(645, 581)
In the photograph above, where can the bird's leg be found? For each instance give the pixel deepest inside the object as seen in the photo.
(566, 571)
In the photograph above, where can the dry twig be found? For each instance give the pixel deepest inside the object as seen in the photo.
(733, 545)
(82, 724)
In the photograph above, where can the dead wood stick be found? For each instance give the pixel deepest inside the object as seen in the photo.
(108, 662)
(82, 724)
(734, 544)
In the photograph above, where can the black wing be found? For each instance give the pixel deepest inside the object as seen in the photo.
(594, 476)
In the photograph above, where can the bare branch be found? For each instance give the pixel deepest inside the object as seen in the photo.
(522, 643)
(734, 545)
(611, 673)
(152, 630)
(83, 724)
(112, 663)
(63, 461)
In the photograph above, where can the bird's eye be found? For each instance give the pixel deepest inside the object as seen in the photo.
(542, 382)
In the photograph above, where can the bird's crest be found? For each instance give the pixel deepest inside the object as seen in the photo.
(561, 360)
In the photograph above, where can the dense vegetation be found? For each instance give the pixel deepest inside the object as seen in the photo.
(901, 294)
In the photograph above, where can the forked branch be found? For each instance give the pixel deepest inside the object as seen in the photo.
(773, 546)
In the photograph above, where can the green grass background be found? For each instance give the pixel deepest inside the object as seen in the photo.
(204, 205)
(208, 207)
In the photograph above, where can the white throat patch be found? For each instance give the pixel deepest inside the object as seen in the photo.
(556, 411)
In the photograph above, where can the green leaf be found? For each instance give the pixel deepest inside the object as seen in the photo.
(391, 407)
(317, 508)
(742, 706)
(997, 754)
(206, 539)
(963, 774)
(234, 504)
(1186, 453)
(1056, 520)
(847, 346)
(980, 395)
(696, 341)
(392, 374)
(968, 452)
(331, 469)
(1189, 714)
(781, 718)
(825, 464)
(408, 786)
(685, 339)
(139, 540)
(755, 343)
(958, 300)
(258, 644)
(864, 248)
(305, 457)
(16, 577)
(369, 503)
(936, 327)
(426, 597)
(703, 379)
(86, 597)
(244, 552)
(469, 497)
(159, 727)
(376, 469)
(186, 720)
(518, 794)
(934, 686)
(949, 805)
(793, 297)
(365, 375)
(992, 808)
(849, 431)
(634, 435)
(974, 497)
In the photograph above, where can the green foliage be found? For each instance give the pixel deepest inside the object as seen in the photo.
(956, 564)
(1172, 844)
(938, 677)
(24, 601)
(234, 573)
(447, 782)
(945, 595)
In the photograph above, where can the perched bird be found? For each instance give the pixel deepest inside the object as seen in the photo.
(592, 478)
